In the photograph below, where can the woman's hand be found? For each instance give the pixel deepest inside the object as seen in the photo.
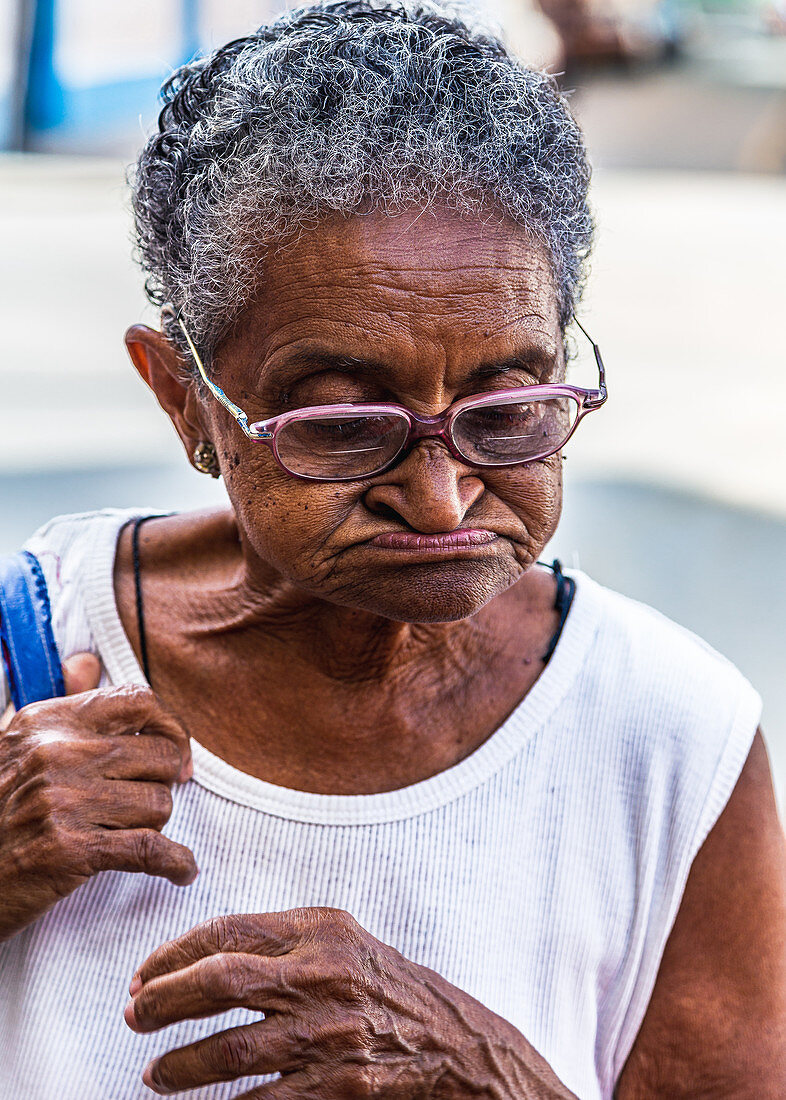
(345, 1016)
(79, 793)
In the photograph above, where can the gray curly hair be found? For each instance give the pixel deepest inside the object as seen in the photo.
(348, 106)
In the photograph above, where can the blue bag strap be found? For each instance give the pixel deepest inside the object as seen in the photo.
(29, 651)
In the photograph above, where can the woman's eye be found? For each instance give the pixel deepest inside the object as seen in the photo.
(505, 414)
(329, 388)
(343, 429)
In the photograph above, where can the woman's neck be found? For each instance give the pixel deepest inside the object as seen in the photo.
(314, 695)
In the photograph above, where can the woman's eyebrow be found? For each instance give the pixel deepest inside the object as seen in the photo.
(314, 360)
(533, 360)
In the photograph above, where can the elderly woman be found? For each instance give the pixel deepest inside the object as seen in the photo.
(465, 826)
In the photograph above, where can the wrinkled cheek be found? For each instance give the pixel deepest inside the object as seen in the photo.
(534, 494)
(288, 522)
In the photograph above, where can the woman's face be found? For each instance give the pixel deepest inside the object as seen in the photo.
(416, 310)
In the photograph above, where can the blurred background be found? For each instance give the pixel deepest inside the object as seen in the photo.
(676, 494)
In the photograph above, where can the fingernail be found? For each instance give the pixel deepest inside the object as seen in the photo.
(148, 1077)
(129, 1016)
(136, 985)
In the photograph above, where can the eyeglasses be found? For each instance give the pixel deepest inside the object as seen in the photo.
(347, 442)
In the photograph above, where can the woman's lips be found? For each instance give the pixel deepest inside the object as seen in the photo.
(451, 540)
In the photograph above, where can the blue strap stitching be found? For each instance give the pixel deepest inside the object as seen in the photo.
(43, 623)
(22, 580)
(8, 638)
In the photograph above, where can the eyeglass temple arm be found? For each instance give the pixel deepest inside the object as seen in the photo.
(594, 402)
(233, 409)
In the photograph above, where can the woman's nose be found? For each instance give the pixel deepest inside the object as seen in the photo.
(429, 489)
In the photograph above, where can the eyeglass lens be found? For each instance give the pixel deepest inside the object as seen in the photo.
(341, 446)
(514, 431)
(501, 434)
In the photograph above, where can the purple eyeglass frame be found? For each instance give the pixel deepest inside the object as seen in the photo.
(420, 427)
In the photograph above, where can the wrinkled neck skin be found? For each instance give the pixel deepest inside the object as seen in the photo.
(308, 694)
(349, 645)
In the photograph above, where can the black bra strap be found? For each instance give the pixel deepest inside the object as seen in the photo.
(566, 590)
(140, 610)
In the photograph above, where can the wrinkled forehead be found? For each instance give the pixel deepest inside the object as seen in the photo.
(391, 285)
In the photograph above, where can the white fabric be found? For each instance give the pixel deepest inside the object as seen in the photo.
(542, 874)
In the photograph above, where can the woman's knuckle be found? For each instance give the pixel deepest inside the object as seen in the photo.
(45, 802)
(367, 1077)
(131, 693)
(339, 918)
(220, 978)
(33, 716)
(148, 1004)
(60, 848)
(338, 1035)
(160, 805)
(169, 755)
(26, 859)
(224, 932)
(354, 1081)
(39, 757)
(233, 1052)
(339, 980)
(302, 1042)
(344, 926)
(147, 847)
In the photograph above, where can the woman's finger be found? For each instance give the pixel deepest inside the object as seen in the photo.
(266, 934)
(129, 805)
(311, 1083)
(128, 708)
(248, 1051)
(81, 672)
(212, 985)
(140, 850)
(147, 757)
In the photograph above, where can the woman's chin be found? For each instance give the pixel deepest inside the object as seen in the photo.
(429, 595)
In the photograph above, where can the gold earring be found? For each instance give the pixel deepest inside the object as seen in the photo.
(206, 459)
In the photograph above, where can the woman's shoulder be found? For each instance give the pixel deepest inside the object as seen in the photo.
(76, 554)
(645, 640)
(662, 680)
(68, 547)
(65, 541)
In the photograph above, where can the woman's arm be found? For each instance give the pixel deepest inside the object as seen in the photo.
(716, 1024)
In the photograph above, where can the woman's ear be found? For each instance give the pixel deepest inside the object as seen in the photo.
(161, 368)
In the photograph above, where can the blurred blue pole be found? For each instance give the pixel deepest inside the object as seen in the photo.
(18, 24)
(44, 101)
(191, 40)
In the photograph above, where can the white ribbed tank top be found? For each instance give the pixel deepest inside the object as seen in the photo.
(542, 874)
